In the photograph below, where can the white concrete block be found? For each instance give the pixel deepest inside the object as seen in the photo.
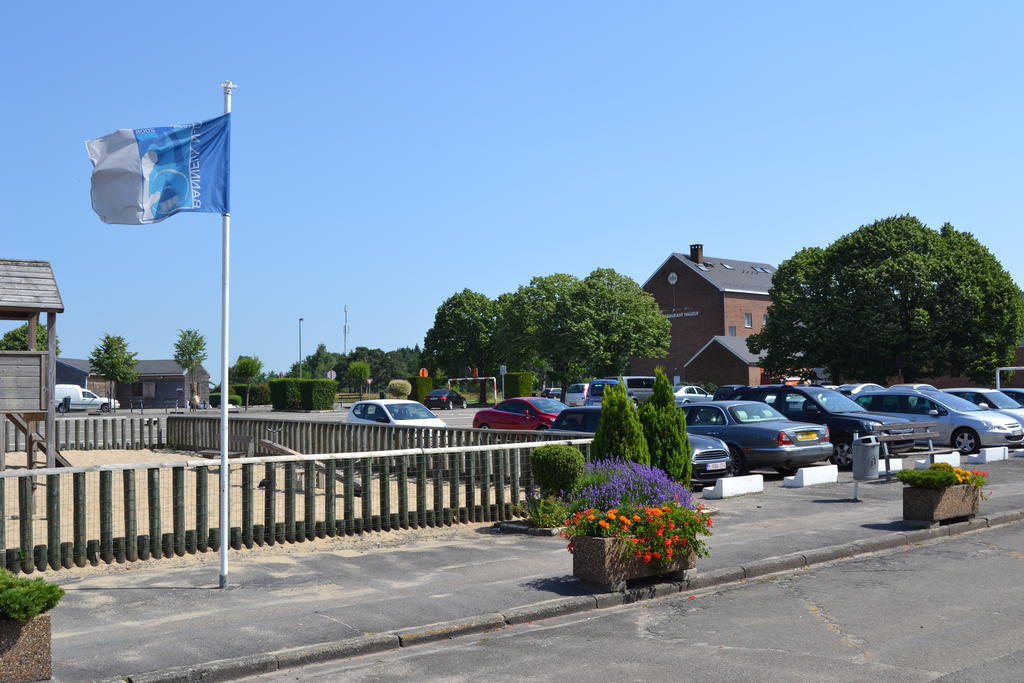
(953, 458)
(987, 455)
(729, 487)
(810, 476)
(895, 465)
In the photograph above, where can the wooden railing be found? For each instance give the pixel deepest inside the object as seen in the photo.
(91, 433)
(78, 516)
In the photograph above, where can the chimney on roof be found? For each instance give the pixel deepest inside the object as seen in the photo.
(697, 253)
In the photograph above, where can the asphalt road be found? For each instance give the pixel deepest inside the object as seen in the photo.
(948, 610)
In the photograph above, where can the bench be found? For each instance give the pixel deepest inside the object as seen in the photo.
(812, 476)
(729, 487)
(239, 446)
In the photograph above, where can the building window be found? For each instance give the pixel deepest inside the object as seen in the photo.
(764, 319)
(732, 330)
(748, 320)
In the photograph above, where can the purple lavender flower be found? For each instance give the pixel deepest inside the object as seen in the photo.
(630, 483)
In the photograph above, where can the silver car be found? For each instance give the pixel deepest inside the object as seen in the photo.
(576, 394)
(960, 423)
(991, 399)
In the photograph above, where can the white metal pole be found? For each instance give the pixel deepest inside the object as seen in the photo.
(225, 388)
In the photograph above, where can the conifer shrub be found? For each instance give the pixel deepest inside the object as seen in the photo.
(421, 386)
(664, 428)
(619, 433)
(399, 388)
(557, 468)
(23, 599)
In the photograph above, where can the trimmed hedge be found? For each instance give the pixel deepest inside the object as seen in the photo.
(259, 394)
(421, 386)
(399, 388)
(24, 599)
(293, 393)
(557, 468)
(233, 399)
(519, 384)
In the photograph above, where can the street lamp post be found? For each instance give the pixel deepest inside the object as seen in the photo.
(300, 348)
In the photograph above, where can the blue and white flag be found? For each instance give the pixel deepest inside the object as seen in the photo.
(148, 174)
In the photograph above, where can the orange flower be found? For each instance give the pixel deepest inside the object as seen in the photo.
(636, 518)
(604, 524)
(591, 517)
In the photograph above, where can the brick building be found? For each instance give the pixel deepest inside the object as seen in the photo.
(161, 383)
(704, 298)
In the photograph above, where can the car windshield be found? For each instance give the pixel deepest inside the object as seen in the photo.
(548, 405)
(438, 392)
(952, 402)
(999, 400)
(755, 412)
(574, 421)
(409, 411)
(597, 389)
(833, 401)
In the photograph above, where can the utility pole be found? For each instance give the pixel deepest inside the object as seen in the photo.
(345, 332)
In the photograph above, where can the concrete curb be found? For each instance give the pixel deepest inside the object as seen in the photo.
(230, 669)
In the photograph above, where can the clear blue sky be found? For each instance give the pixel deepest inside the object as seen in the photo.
(388, 154)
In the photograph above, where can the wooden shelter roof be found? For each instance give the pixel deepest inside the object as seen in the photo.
(27, 288)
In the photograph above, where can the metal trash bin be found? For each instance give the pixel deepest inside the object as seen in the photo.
(865, 458)
(382, 394)
(65, 405)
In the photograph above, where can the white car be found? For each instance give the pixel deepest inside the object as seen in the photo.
(576, 394)
(688, 393)
(81, 399)
(855, 389)
(393, 411)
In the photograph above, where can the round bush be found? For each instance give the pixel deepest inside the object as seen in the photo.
(557, 467)
(399, 388)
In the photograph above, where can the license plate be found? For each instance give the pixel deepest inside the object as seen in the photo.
(716, 465)
(806, 436)
(1017, 433)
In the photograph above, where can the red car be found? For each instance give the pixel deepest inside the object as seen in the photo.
(527, 412)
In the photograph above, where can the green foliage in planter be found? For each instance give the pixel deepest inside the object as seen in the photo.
(233, 399)
(928, 479)
(23, 598)
(285, 393)
(259, 394)
(557, 467)
(619, 433)
(421, 386)
(546, 512)
(318, 394)
(665, 431)
(399, 388)
(519, 383)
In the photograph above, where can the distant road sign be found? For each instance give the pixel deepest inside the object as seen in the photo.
(502, 370)
(331, 374)
(369, 380)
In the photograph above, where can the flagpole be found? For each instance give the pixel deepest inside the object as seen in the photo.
(225, 387)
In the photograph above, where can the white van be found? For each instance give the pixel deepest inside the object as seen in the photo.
(81, 399)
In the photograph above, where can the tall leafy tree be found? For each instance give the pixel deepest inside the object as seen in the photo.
(892, 298)
(358, 373)
(665, 431)
(189, 353)
(112, 361)
(247, 368)
(462, 336)
(619, 433)
(17, 339)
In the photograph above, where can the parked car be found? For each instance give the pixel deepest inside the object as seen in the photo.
(993, 399)
(854, 389)
(688, 393)
(81, 399)
(1016, 394)
(842, 416)
(445, 399)
(760, 436)
(960, 423)
(525, 412)
(915, 387)
(393, 411)
(576, 394)
(727, 391)
(552, 392)
(639, 387)
(711, 459)
(595, 391)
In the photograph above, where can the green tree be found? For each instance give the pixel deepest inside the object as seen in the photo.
(892, 298)
(665, 431)
(462, 335)
(189, 353)
(17, 339)
(247, 368)
(358, 373)
(619, 433)
(112, 361)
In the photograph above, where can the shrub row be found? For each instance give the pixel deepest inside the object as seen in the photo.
(293, 393)
(259, 394)
(421, 386)
(519, 383)
(233, 400)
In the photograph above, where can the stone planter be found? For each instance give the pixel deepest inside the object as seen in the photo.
(928, 507)
(600, 561)
(25, 650)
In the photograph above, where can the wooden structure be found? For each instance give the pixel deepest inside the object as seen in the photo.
(27, 290)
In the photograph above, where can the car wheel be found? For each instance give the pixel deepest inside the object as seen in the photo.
(739, 462)
(463, 404)
(448, 405)
(966, 441)
(105, 408)
(484, 426)
(786, 470)
(842, 453)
